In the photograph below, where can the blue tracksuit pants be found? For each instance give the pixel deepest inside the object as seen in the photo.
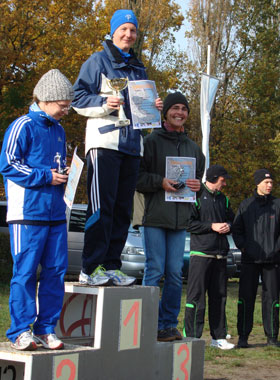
(30, 246)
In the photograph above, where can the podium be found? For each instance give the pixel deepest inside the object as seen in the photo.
(110, 333)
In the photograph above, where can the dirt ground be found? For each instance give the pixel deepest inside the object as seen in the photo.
(249, 372)
(258, 362)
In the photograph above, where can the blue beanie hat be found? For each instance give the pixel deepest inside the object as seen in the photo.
(122, 16)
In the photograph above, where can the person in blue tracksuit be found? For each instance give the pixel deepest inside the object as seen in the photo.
(113, 153)
(33, 150)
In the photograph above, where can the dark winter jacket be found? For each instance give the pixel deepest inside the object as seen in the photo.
(91, 92)
(157, 146)
(256, 229)
(211, 207)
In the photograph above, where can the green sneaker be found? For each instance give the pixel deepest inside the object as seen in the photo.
(97, 278)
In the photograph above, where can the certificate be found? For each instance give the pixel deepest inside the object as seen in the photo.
(180, 169)
(142, 96)
(73, 179)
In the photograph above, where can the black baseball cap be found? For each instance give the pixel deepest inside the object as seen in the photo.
(216, 171)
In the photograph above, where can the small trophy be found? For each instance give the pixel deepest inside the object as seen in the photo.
(178, 171)
(117, 85)
(57, 159)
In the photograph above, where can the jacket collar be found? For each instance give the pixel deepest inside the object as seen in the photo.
(117, 58)
(263, 199)
(42, 117)
(214, 193)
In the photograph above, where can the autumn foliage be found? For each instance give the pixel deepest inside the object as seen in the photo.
(37, 35)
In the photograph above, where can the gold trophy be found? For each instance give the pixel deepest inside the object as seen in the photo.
(117, 85)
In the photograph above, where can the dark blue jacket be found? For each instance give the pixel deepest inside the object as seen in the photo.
(91, 91)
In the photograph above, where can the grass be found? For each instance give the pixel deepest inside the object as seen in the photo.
(250, 364)
(259, 358)
(4, 310)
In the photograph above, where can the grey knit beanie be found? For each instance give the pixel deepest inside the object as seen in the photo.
(53, 86)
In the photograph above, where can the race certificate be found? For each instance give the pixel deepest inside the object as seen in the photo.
(142, 96)
(180, 169)
(73, 179)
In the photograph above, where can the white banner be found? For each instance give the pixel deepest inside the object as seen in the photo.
(209, 87)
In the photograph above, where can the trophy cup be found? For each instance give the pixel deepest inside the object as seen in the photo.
(117, 85)
(57, 159)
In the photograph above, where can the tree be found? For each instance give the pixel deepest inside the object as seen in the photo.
(38, 35)
(244, 39)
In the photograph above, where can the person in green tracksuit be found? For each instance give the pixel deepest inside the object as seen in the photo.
(210, 222)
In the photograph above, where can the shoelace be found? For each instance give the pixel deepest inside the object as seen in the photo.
(25, 335)
(99, 270)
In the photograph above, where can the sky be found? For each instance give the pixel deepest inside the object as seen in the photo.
(180, 36)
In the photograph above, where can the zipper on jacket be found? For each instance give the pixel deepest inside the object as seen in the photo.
(177, 205)
(123, 131)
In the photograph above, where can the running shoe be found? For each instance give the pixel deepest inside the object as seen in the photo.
(49, 341)
(25, 342)
(222, 344)
(119, 278)
(97, 278)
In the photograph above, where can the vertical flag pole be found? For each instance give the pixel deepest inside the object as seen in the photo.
(208, 59)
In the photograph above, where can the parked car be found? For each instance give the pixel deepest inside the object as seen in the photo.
(133, 257)
(236, 256)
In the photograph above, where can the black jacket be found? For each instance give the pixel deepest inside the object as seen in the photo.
(211, 207)
(256, 229)
(157, 146)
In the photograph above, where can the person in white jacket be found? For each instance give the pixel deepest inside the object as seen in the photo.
(113, 152)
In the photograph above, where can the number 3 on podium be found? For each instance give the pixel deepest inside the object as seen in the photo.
(182, 360)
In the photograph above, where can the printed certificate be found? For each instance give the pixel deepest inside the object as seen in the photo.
(73, 179)
(142, 96)
(180, 169)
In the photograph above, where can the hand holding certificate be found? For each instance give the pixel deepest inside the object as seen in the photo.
(180, 170)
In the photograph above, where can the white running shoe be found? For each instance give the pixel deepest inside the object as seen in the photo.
(119, 278)
(49, 341)
(223, 344)
(25, 342)
(97, 278)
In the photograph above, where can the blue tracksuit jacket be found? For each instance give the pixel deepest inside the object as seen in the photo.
(27, 155)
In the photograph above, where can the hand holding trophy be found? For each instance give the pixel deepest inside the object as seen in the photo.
(117, 85)
(60, 169)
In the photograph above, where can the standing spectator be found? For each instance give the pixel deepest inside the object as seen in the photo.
(256, 232)
(209, 224)
(165, 222)
(33, 145)
(113, 153)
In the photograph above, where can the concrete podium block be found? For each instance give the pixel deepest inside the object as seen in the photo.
(181, 360)
(109, 316)
(115, 335)
(41, 364)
